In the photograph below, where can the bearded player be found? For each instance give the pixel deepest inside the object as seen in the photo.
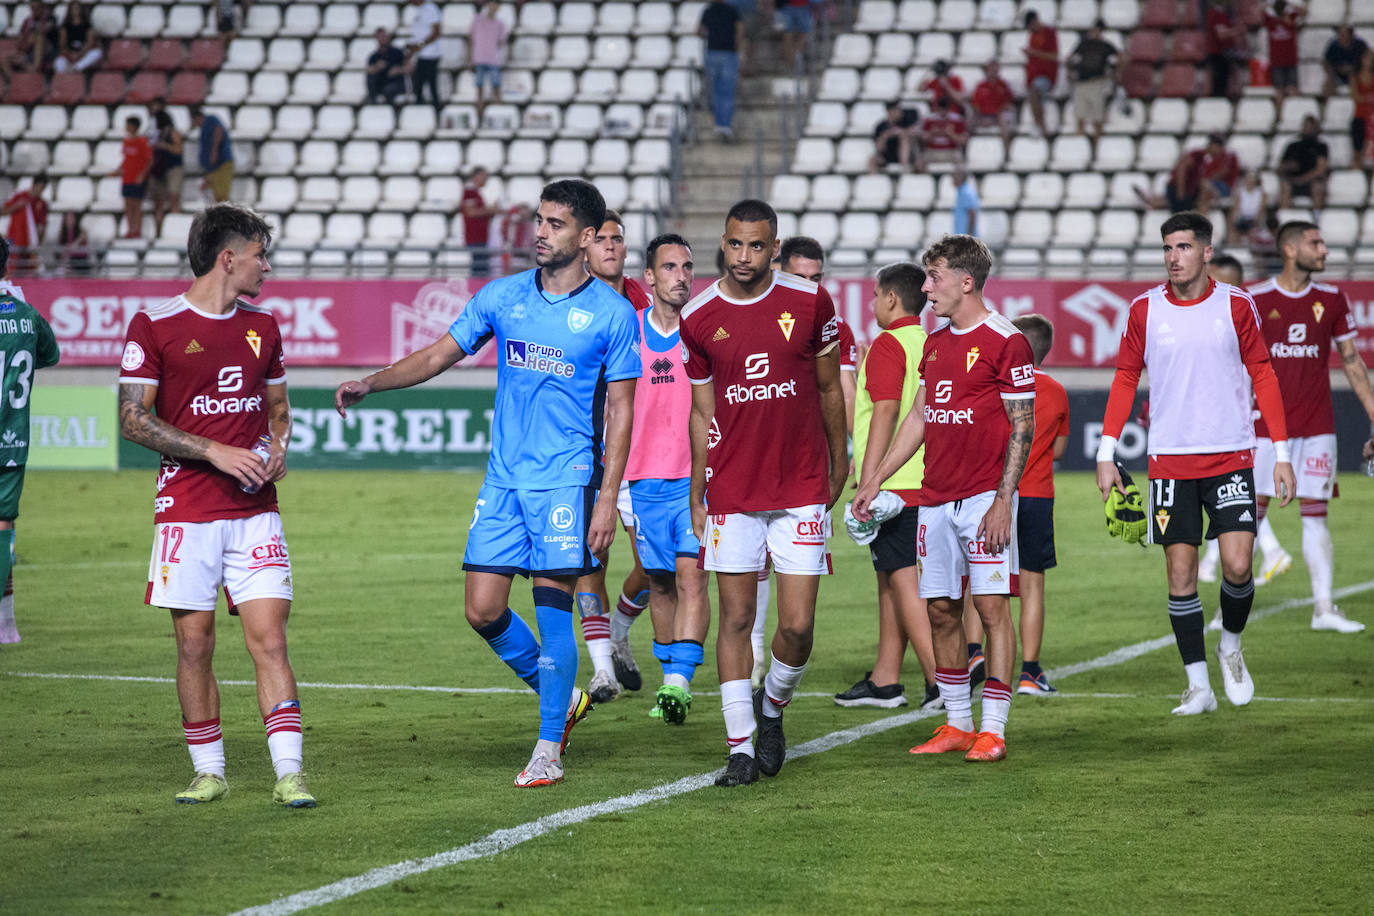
(761, 351)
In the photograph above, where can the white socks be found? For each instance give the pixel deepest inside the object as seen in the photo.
(1318, 551)
(778, 687)
(737, 702)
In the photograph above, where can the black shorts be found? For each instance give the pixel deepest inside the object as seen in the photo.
(895, 546)
(1176, 506)
(1035, 533)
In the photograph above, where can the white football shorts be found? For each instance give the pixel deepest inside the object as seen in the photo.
(949, 556)
(742, 542)
(624, 506)
(191, 560)
(1314, 464)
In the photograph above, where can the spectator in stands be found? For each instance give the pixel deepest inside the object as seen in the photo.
(943, 136)
(994, 103)
(487, 50)
(477, 216)
(1093, 67)
(1249, 205)
(517, 235)
(747, 10)
(386, 71)
(156, 106)
(1200, 179)
(723, 30)
(895, 138)
(79, 45)
(216, 153)
(942, 84)
(133, 175)
(37, 42)
(76, 247)
(797, 23)
(1362, 118)
(1042, 66)
(28, 213)
(227, 16)
(1304, 167)
(1227, 49)
(423, 52)
(1281, 23)
(966, 203)
(168, 172)
(1341, 58)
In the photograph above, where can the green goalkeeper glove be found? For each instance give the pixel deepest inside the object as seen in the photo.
(1126, 513)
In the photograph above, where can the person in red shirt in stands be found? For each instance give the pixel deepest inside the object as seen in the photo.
(944, 85)
(138, 162)
(477, 216)
(1201, 179)
(943, 135)
(28, 214)
(1226, 46)
(1281, 23)
(1042, 66)
(994, 103)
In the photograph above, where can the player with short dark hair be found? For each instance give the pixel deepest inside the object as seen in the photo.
(887, 385)
(608, 638)
(203, 383)
(768, 418)
(975, 414)
(27, 343)
(569, 345)
(1201, 343)
(1301, 319)
(659, 470)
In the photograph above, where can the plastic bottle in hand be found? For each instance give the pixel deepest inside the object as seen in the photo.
(262, 448)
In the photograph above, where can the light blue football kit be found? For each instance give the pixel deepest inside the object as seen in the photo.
(556, 355)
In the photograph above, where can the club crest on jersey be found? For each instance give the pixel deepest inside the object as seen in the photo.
(1318, 310)
(562, 517)
(579, 320)
(970, 358)
(787, 323)
(1162, 519)
(254, 341)
(166, 571)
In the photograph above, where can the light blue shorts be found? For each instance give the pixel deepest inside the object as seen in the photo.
(530, 532)
(487, 75)
(663, 524)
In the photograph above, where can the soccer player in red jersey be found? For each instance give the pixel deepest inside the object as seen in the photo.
(975, 414)
(761, 351)
(202, 382)
(1201, 343)
(1301, 319)
(607, 637)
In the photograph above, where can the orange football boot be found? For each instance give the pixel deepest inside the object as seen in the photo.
(946, 738)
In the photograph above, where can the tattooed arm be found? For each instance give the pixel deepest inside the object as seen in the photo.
(1355, 371)
(278, 428)
(138, 424)
(995, 528)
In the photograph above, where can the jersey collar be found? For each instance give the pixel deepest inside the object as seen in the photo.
(539, 285)
(1169, 293)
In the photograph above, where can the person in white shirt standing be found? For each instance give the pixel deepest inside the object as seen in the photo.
(423, 51)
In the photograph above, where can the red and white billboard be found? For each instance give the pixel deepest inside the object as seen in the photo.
(375, 322)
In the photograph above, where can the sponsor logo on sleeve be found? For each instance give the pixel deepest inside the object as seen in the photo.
(1023, 375)
(831, 331)
(132, 358)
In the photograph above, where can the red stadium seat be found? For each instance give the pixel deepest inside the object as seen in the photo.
(166, 54)
(125, 54)
(1138, 80)
(107, 88)
(1189, 46)
(24, 89)
(1179, 81)
(67, 89)
(146, 86)
(1161, 14)
(1146, 46)
(188, 88)
(206, 54)
(7, 48)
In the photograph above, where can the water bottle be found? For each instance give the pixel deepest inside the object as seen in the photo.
(262, 448)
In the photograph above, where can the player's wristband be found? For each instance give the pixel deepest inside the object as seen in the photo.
(1282, 452)
(1106, 449)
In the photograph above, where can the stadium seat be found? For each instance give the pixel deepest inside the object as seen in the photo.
(613, 52)
(1146, 46)
(680, 85)
(499, 121)
(70, 157)
(893, 49)
(823, 227)
(1126, 117)
(609, 157)
(1210, 115)
(107, 153)
(537, 18)
(871, 192)
(1167, 116)
(1115, 153)
(571, 52)
(294, 122)
(615, 19)
(349, 88)
(652, 51)
(185, 21)
(427, 230)
(1121, 190)
(1075, 229)
(956, 15)
(107, 19)
(790, 192)
(914, 192)
(1348, 188)
(1076, 14)
(317, 194)
(145, 22)
(278, 194)
(829, 192)
(853, 49)
(275, 157)
(417, 122)
(1340, 226)
(813, 156)
(206, 54)
(302, 230)
(1085, 190)
(66, 89)
(340, 20)
(442, 158)
(1043, 190)
(860, 230)
(839, 84)
(1367, 227)
(334, 122)
(878, 16)
(881, 84)
(994, 227)
(1031, 228)
(187, 88)
(688, 51)
(976, 49)
(852, 155)
(657, 18)
(997, 15)
(1188, 46)
(555, 86)
(939, 223)
(640, 86)
(359, 194)
(1156, 153)
(146, 86)
(489, 154)
(302, 20)
(576, 18)
(650, 156)
(645, 191)
(375, 122)
(984, 154)
(124, 54)
(285, 53)
(310, 87)
(88, 122)
(245, 54)
(1138, 80)
(73, 192)
(526, 157)
(1011, 51)
(1070, 153)
(358, 157)
(262, 21)
(623, 120)
(108, 195)
(1180, 80)
(270, 88)
(1028, 154)
(1000, 191)
(253, 122)
(25, 88)
(1160, 14)
(933, 46)
(1294, 110)
(902, 229)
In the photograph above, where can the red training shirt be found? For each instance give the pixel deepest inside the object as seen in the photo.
(1051, 422)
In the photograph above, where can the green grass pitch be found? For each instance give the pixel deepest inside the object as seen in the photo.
(1106, 803)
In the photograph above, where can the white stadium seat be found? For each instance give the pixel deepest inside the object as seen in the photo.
(341, 20)
(442, 158)
(877, 16)
(144, 22)
(1043, 190)
(318, 194)
(319, 157)
(813, 156)
(294, 122)
(334, 122)
(829, 192)
(276, 157)
(401, 157)
(278, 194)
(1031, 228)
(375, 122)
(270, 88)
(1000, 191)
(915, 192)
(893, 49)
(285, 54)
(185, 21)
(252, 122)
(839, 84)
(1085, 190)
(903, 229)
(263, 21)
(49, 122)
(871, 192)
(823, 227)
(609, 157)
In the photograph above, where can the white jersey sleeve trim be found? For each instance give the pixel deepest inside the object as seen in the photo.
(279, 380)
(1017, 395)
(137, 380)
(827, 348)
(700, 381)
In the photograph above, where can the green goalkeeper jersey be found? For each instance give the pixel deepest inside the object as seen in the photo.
(26, 345)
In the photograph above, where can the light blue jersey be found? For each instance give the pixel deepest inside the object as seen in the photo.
(556, 355)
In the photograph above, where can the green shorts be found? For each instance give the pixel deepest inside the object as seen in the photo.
(11, 485)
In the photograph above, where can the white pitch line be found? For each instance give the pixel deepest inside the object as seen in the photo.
(506, 838)
(1161, 696)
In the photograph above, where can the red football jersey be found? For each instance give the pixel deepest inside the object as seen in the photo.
(211, 373)
(1283, 37)
(849, 348)
(966, 374)
(1051, 422)
(1299, 329)
(769, 447)
(637, 295)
